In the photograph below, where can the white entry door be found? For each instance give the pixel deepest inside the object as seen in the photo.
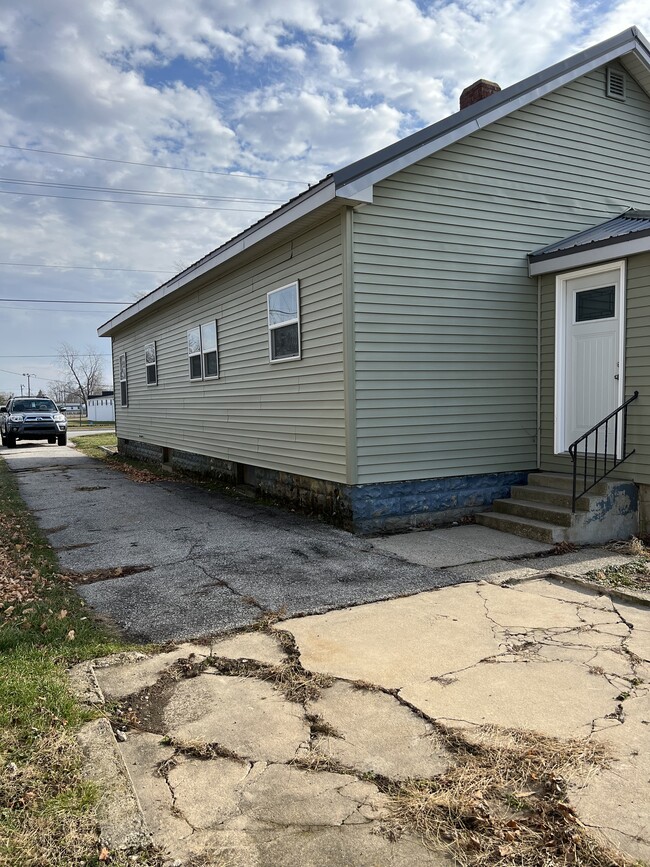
(591, 346)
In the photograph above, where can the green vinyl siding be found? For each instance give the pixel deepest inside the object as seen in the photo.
(445, 313)
(285, 416)
(637, 373)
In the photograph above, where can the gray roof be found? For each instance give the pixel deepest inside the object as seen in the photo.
(353, 183)
(631, 224)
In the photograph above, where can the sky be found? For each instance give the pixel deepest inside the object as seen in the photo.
(135, 137)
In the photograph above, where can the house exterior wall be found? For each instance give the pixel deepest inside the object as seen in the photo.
(445, 313)
(286, 416)
(637, 373)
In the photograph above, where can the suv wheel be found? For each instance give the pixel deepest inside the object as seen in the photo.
(51, 440)
(62, 439)
(10, 441)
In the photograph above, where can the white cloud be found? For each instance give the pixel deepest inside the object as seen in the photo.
(290, 90)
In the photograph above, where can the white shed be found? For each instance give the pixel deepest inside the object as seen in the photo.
(101, 407)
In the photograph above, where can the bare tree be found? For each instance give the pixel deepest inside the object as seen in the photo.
(86, 369)
(59, 390)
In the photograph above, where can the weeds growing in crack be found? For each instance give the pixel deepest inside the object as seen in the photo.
(503, 802)
(297, 684)
(320, 726)
(367, 686)
(198, 750)
(312, 760)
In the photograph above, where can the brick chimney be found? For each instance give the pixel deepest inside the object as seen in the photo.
(478, 91)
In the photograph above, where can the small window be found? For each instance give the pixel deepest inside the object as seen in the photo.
(194, 352)
(203, 351)
(284, 323)
(209, 350)
(150, 363)
(124, 390)
(594, 304)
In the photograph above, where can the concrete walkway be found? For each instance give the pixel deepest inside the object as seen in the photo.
(295, 746)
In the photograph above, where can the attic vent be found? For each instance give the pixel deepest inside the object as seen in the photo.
(615, 84)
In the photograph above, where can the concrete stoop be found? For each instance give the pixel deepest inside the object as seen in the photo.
(542, 510)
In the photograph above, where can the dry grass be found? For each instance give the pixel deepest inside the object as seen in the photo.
(290, 678)
(504, 802)
(196, 750)
(319, 726)
(634, 547)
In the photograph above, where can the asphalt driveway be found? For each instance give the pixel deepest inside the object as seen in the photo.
(169, 560)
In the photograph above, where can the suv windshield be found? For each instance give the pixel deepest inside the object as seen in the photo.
(34, 406)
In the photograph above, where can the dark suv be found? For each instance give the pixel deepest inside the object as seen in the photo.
(32, 418)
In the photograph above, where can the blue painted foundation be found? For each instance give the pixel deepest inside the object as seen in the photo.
(382, 507)
(389, 507)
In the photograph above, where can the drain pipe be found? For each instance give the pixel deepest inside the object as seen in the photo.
(539, 372)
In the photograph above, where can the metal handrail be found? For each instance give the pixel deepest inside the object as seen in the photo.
(594, 478)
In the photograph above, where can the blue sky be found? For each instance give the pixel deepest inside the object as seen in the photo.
(258, 98)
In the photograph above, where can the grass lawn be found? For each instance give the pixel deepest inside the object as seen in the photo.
(75, 422)
(91, 444)
(46, 808)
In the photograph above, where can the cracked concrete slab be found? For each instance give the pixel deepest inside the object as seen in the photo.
(310, 799)
(244, 715)
(289, 783)
(559, 699)
(616, 799)
(436, 632)
(250, 645)
(119, 681)
(375, 732)
(119, 814)
(350, 845)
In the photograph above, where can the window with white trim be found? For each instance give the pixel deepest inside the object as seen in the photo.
(124, 389)
(150, 363)
(203, 351)
(284, 322)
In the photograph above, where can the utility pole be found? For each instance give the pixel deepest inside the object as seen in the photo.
(29, 390)
(21, 389)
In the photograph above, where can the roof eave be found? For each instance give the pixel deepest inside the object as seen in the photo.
(589, 254)
(304, 204)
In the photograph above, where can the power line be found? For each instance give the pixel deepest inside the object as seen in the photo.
(154, 165)
(61, 301)
(50, 310)
(81, 354)
(143, 192)
(87, 268)
(118, 202)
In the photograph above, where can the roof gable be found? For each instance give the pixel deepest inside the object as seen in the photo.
(358, 176)
(353, 184)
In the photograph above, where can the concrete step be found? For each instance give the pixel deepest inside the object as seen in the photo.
(527, 527)
(551, 496)
(547, 514)
(561, 481)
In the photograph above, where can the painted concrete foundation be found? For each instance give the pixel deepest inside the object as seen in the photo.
(386, 507)
(644, 510)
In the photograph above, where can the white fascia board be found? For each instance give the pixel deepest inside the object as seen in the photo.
(285, 216)
(355, 187)
(580, 259)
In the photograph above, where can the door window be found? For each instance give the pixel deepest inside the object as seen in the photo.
(594, 304)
